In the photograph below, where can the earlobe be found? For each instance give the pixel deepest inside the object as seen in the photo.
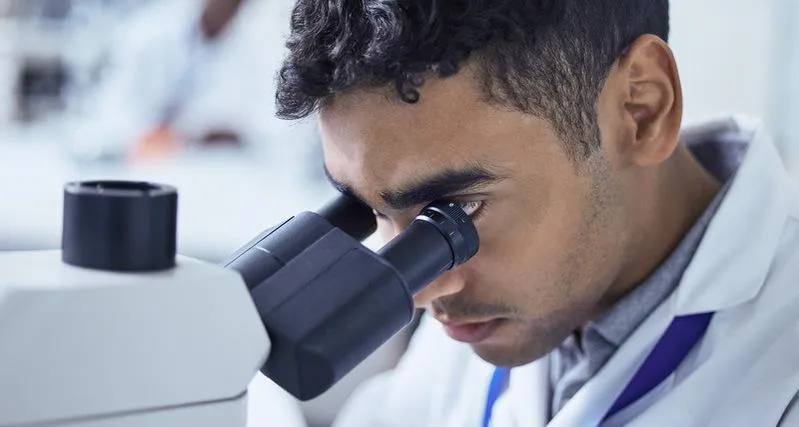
(654, 100)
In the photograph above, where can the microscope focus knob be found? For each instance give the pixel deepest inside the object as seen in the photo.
(119, 225)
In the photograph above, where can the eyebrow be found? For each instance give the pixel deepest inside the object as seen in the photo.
(429, 189)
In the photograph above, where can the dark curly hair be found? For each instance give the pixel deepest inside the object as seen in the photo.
(549, 58)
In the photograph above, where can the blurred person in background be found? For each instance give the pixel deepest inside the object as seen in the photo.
(188, 73)
(630, 272)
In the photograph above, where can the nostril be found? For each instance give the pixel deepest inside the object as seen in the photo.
(436, 311)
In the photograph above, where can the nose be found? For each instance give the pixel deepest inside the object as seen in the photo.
(449, 283)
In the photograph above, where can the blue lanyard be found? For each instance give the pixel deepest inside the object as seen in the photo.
(495, 388)
(680, 337)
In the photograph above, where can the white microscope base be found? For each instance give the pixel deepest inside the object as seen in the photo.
(230, 413)
(81, 344)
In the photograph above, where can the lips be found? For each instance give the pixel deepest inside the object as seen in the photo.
(472, 332)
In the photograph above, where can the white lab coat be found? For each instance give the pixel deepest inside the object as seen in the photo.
(745, 372)
(270, 406)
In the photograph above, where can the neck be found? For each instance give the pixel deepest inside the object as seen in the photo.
(669, 204)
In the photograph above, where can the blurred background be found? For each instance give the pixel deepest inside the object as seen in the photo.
(181, 92)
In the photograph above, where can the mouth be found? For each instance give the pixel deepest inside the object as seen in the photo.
(471, 332)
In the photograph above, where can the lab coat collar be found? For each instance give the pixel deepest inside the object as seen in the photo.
(728, 268)
(734, 257)
(529, 394)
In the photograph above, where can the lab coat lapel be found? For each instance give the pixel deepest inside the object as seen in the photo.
(592, 402)
(528, 394)
(739, 245)
(728, 269)
(733, 269)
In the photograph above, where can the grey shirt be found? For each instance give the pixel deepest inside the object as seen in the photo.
(577, 360)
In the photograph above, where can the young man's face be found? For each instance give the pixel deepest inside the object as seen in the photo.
(551, 238)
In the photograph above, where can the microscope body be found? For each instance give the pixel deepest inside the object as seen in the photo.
(117, 330)
(93, 348)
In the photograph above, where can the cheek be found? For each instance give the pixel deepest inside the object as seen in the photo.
(538, 259)
(526, 261)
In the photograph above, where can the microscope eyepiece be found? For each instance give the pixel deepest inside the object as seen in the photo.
(119, 225)
(441, 238)
(456, 226)
(327, 301)
(351, 216)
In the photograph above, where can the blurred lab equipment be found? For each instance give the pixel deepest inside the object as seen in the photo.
(116, 329)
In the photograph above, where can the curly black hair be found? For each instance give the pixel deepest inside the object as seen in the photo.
(549, 58)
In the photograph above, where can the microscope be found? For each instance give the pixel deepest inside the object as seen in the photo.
(116, 329)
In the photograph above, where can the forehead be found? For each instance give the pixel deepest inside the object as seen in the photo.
(374, 142)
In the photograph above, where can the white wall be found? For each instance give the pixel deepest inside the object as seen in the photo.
(725, 51)
(741, 56)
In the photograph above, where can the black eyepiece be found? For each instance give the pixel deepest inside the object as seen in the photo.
(351, 216)
(441, 238)
(456, 226)
(119, 225)
(328, 302)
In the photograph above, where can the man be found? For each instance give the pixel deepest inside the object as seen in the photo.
(630, 272)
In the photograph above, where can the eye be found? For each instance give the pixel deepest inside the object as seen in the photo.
(471, 207)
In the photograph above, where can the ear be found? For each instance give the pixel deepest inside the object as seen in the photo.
(652, 100)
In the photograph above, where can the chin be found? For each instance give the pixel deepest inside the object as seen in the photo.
(508, 350)
(506, 356)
